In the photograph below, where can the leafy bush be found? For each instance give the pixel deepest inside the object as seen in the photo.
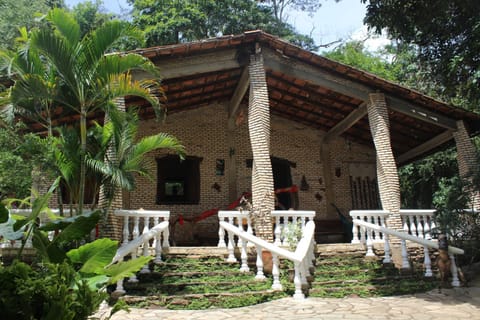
(52, 291)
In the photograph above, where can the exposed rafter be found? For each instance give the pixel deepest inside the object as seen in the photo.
(425, 147)
(239, 93)
(350, 120)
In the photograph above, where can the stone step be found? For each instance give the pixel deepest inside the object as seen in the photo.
(204, 300)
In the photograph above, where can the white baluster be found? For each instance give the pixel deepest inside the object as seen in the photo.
(231, 248)
(243, 255)
(369, 243)
(420, 228)
(221, 238)
(126, 231)
(155, 222)
(119, 290)
(146, 245)
(260, 275)
(454, 271)
(278, 232)
(249, 229)
(136, 231)
(426, 228)
(427, 262)
(158, 248)
(413, 226)
(405, 224)
(405, 263)
(133, 278)
(387, 258)
(166, 237)
(276, 285)
(355, 238)
(303, 273)
(298, 283)
(432, 225)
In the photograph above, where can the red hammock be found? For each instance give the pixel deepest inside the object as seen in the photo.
(204, 215)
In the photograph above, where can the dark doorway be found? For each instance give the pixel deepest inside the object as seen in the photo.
(282, 178)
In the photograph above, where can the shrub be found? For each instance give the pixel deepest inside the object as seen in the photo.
(51, 291)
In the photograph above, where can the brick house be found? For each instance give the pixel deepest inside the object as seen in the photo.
(336, 132)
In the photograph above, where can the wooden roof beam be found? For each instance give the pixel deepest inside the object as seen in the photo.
(195, 64)
(425, 147)
(347, 122)
(239, 93)
(350, 88)
(420, 113)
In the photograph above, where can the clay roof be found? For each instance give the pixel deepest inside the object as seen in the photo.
(303, 87)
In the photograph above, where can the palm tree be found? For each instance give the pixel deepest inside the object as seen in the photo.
(35, 88)
(89, 78)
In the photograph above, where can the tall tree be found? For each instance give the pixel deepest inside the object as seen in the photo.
(15, 14)
(176, 21)
(446, 34)
(280, 7)
(89, 78)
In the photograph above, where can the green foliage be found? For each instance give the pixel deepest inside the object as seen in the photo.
(19, 153)
(15, 14)
(354, 54)
(174, 21)
(420, 180)
(446, 35)
(45, 293)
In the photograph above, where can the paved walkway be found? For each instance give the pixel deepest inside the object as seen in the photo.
(451, 304)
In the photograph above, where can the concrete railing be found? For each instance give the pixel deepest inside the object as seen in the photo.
(137, 222)
(142, 242)
(240, 219)
(417, 222)
(284, 218)
(302, 258)
(367, 228)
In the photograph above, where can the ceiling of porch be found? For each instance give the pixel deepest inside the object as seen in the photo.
(303, 87)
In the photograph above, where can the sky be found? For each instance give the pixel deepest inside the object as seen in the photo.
(332, 22)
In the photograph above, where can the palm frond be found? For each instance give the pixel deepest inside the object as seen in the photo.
(119, 64)
(159, 141)
(100, 41)
(57, 50)
(123, 85)
(65, 25)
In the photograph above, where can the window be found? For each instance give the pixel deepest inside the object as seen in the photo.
(178, 182)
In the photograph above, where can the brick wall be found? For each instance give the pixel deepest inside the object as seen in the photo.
(204, 133)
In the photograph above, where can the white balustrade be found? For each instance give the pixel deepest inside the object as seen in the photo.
(136, 220)
(371, 216)
(283, 217)
(404, 236)
(302, 258)
(132, 247)
(418, 222)
(240, 219)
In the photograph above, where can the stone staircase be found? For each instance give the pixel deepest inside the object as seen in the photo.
(199, 278)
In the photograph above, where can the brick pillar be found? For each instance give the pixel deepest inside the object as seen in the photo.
(41, 183)
(259, 130)
(467, 160)
(387, 174)
(111, 225)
